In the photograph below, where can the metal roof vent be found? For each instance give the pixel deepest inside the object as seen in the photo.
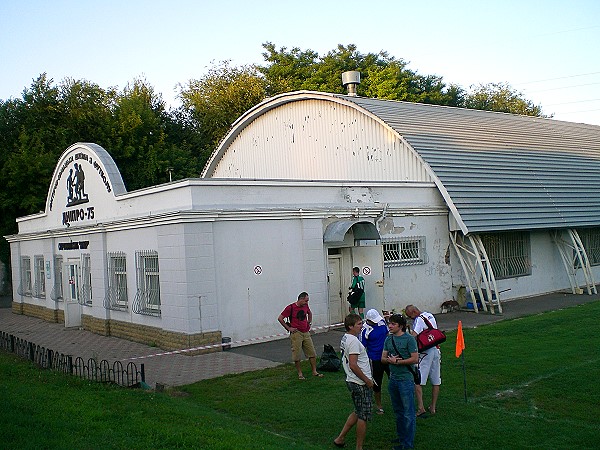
(350, 80)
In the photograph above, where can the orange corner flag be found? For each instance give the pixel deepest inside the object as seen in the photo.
(460, 340)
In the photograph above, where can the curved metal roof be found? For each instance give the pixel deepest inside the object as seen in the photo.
(503, 171)
(496, 171)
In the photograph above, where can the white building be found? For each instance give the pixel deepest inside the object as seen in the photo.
(432, 203)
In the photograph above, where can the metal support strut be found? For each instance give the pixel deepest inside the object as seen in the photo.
(478, 271)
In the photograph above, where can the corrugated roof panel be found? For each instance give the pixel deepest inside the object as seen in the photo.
(503, 171)
(319, 140)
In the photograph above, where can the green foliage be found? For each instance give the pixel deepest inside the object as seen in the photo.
(133, 125)
(501, 97)
(531, 383)
(215, 100)
(382, 75)
(146, 140)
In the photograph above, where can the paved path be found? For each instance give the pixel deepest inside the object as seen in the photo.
(179, 369)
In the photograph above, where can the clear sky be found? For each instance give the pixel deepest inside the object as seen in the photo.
(547, 49)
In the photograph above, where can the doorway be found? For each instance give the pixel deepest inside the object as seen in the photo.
(71, 293)
(337, 302)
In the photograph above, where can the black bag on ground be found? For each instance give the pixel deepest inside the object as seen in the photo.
(329, 361)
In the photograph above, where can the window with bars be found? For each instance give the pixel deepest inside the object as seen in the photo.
(57, 289)
(85, 290)
(117, 281)
(39, 285)
(509, 253)
(590, 238)
(147, 298)
(25, 276)
(406, 251)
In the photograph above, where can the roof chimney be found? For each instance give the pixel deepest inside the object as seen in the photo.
(350, 80)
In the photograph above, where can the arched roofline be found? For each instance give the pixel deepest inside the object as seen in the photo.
(274, 102)
(109, 168)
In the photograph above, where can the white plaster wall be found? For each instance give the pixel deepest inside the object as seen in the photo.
(426, 285)
(288, 253)
(201, 293)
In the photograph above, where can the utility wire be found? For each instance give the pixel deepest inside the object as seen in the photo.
(577, 101)
(559, 78)
(563, 87)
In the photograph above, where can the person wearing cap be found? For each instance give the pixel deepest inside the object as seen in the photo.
(372, 336)
(429, 361)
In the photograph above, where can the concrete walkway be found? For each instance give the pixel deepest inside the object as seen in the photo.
(180, 369)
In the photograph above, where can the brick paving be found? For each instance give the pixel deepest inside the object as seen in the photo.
(180, 369)
(169, 370)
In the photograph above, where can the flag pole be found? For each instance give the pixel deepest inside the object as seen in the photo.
(464, 375)
(460, 347)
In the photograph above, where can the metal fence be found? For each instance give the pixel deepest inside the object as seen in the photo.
(92, 369)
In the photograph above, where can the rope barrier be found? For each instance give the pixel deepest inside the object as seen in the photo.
(227, 344)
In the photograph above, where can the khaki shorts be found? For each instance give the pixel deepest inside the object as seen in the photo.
(302, 341)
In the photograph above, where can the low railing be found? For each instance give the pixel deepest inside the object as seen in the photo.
(101, 371)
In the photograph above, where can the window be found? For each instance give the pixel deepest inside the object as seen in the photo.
(405, 251)
(509, 253)
(116, 295)
(39, 286)
(85, 294)
(147, 299)
(590, 238)
(57, 289)
(25, 276)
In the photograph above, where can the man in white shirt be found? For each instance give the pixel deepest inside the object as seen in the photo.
(429, 360)
(358, 380)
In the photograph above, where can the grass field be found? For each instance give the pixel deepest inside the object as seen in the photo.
(531, 383)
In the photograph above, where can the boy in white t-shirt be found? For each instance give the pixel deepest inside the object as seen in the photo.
(358, 380)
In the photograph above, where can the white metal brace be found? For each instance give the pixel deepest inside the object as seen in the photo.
(574, 256)
(478, 270)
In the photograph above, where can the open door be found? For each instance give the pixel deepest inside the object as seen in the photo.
(338, 306)
(71, 280)
(369, 259)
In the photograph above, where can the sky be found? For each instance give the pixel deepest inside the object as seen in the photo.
(545, 49)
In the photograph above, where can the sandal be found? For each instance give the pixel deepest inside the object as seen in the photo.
(318, 375)
(379, 411)
(301, 377)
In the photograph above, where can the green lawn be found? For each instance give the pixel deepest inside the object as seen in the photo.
(531, 383)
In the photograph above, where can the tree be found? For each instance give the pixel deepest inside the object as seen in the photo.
(501, 97)
(382, 75)
(132, 125)
(216, 100)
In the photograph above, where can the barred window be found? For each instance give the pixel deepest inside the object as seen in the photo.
(25, 276)
(406, 251)
(39, 286)
(590, 238)
(509, 253)
(117, 281)
(57, 289)
(147, 298)
(85, 294)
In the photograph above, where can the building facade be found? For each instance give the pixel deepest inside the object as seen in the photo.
(431, 203)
